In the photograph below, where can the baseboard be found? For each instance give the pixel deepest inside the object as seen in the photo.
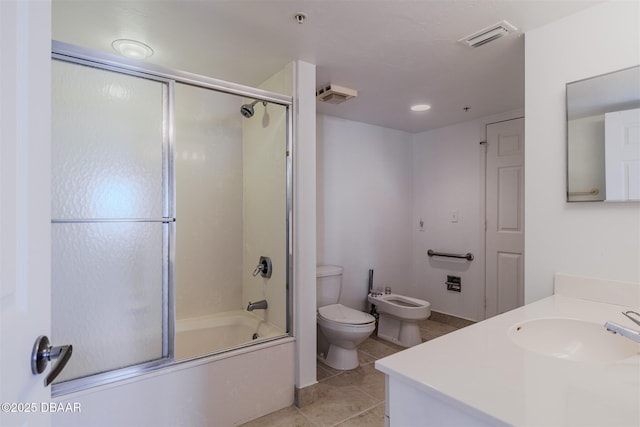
(306, 395)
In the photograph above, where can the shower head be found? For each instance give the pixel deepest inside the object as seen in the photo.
(247, 109)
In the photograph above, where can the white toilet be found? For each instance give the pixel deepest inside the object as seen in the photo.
(341, 329)
(399, 316)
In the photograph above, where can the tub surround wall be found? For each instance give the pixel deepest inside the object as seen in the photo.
(364, 205)
(208, 232)
(264, 201)
(600, 240)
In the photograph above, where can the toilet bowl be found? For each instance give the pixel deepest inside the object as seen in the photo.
(340, 328)
(344, 329)
(399, 316)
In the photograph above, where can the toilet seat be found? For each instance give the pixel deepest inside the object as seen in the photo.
(340, 314)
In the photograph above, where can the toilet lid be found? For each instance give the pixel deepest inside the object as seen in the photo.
(341, 314)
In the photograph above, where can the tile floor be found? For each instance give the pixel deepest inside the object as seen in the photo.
(353, 398)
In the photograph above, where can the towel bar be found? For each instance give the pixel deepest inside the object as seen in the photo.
(468, 256)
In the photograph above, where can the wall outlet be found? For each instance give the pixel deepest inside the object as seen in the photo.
(454, 283)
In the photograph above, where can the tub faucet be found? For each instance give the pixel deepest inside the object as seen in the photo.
(260, 305)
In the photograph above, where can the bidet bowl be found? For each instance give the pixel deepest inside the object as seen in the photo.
(402, 307)
(572, 339)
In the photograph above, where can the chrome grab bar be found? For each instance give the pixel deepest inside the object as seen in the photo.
(468, 256)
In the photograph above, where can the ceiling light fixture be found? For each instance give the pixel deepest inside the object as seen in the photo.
(132, 48)
(420, 107)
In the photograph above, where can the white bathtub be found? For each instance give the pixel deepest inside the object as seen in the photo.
(220, 332)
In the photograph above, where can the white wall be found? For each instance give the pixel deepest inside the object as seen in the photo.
(374, 186)
(601, 240)
(304, 223)
(364, 202)
(448, 177)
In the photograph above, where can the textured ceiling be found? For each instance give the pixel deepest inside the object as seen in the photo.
(394, 52)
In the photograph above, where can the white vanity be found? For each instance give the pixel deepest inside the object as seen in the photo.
(549, 363)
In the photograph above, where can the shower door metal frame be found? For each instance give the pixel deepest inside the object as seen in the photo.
(88, 57)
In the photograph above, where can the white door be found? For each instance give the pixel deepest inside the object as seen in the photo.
(504, 279)
(622, 154)
(25, 36)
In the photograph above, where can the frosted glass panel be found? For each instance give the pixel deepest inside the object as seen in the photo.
(107, 152)
(108, 278)
(108, 294)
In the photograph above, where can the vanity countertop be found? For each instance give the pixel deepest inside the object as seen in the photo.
(480, 368)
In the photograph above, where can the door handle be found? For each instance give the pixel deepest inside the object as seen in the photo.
(43, 353)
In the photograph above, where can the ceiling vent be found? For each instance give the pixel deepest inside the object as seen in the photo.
(488, 34)
(333, 94)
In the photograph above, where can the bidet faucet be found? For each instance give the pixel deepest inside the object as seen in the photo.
(260, 305)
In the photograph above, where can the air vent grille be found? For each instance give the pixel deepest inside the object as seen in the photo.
(488, 34)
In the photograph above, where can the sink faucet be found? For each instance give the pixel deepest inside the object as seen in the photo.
(260, 305)
(633, 335)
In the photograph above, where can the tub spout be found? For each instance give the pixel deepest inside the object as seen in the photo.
(260, 305)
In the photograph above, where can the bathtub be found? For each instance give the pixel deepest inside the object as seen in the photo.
(219, 332)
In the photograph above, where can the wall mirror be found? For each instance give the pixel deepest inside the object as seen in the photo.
(603, 137)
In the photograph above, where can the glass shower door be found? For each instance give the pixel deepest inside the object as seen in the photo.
(111, 219)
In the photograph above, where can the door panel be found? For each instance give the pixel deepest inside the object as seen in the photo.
(622, 154)
(25, 35)
(504, 217)
(509, 280)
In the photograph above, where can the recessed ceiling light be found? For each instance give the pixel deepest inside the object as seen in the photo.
(420, 107)
(132, 48)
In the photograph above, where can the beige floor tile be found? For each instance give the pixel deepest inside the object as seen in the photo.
(349, 398)
(323, 371)
(378, 348)
(372, 418)
(431, 329)
(365, 358)
(289, 417)
(337, 403)
(450, 320)
(366, 377)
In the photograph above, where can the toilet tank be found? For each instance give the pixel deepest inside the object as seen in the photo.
(328, 284)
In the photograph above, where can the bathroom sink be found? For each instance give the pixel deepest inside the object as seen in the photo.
(571, 339)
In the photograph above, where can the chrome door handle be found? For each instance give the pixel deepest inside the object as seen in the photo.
(43, 353)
